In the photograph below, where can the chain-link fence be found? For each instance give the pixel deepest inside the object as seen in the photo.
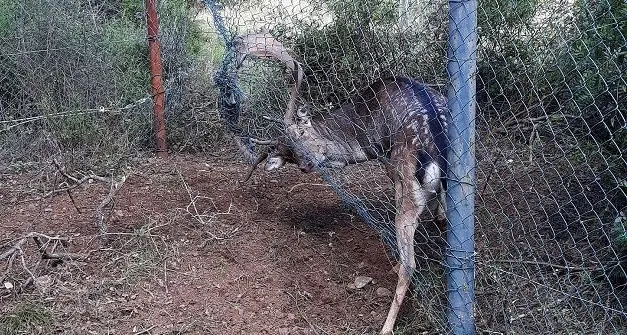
(551, 241)
(551, 204)
(74, 79)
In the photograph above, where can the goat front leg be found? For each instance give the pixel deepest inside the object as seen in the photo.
(440, 217)
(411, 203)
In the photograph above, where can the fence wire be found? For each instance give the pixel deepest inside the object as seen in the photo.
(551, 206)
(551, 201)
(74, 78)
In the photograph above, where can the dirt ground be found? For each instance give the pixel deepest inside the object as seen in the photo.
(191, 250)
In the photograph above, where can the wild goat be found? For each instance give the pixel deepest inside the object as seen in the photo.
(398, 121)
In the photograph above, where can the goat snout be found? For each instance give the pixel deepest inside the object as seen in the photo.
(306, 167)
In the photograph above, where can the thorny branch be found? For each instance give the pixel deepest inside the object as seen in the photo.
(192, 210)
(71, 182)
(15, 249)
(102, 224)
(41, 246)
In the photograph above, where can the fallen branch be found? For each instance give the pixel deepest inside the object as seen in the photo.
(540, 263)
(37, 237)
(71, 182)
(63, 256)
(515, 121)
(16, 251)
(100, 215)
(32, 276)
(192, 210)
(13, 249)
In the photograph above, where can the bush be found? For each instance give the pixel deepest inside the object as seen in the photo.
(74, 66)
(594, 62)
(363, 42)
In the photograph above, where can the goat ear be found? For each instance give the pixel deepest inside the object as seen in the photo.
(303, 116)
(275, 162)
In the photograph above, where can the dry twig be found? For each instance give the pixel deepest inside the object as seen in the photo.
(37, 237)
(102, 224)
(515, 121)
(192, 210)
(57, 255)
(13, 249)
(16, 250)
(145, 331)
(71, 182)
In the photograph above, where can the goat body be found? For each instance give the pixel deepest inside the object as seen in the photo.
(403, 124)
(390, 116)
(397, 121)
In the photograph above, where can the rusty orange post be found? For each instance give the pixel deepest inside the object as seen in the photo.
(156, 78)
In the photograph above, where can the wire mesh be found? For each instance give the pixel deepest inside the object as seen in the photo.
(74, 78)
(551, 203)
(550, 236)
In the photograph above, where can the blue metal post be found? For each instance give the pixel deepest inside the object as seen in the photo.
(462, 67)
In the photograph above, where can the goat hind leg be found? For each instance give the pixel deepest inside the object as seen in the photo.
(410, 204)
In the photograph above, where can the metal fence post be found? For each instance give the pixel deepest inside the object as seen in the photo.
(156, 78)
(461, 175)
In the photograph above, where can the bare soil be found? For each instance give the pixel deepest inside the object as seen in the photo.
(192, 250)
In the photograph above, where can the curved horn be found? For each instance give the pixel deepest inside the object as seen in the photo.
(255, 164)
(265, 46)
(288, 118)
(264, 142)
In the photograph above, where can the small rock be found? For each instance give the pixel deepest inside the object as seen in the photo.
(361, 281)
(383, 292)
(43, 283)
(284, 331)
(351, 286)
(307, 295)
(8, 285)
(291, 316)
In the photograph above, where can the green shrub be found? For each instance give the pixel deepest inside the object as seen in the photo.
(125, 47)
(23, 318)
(8, 13)
(76, 57)
(363, 42)
(595, 63)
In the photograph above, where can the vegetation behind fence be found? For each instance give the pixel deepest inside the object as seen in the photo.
(74, 81)
(551, 143)
(551, 225)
